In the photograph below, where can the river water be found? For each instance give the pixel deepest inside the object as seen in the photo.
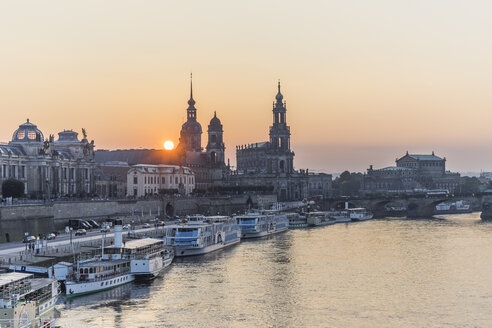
(393, 272)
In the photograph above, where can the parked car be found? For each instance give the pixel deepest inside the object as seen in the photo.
(50, 236)
(105, 228)
(160, 223)
(126, 227)
(56, 233)
(80, 232)
(29, 239)
(146, 225)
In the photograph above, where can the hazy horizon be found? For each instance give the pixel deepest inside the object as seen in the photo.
(364, 81)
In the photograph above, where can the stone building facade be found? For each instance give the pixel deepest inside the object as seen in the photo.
(49, 168)
(146, 180)
(412, 172)
(111, 180)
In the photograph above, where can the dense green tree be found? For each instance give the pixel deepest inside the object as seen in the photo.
(348, 184)
(12, 188)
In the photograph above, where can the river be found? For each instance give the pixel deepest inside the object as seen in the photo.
(392, 272)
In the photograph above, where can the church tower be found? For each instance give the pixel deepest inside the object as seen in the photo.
(215, 146)
(191, 131)
(280, 137)
(280, 131)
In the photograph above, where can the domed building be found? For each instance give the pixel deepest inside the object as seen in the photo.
(208, 165)
(48, 168)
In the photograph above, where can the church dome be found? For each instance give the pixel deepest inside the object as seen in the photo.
(27, 132)
(215, 124)
(191, 127)
(279, 96)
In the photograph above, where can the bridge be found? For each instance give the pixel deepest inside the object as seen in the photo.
(413, 206)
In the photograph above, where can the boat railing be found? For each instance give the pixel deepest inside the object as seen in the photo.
(25, 323)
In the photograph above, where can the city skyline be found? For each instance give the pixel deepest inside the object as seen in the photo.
(358, 93)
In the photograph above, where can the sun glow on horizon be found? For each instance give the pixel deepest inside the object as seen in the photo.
(169, 145)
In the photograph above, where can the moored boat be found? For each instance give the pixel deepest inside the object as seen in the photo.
(26, 301)
(297, 220)
(119, 264)
(359, 214)
(200, 235)
(317, 219)
(254, 225)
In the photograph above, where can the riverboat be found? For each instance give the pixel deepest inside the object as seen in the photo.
(96, 275)
(26, 301)
(254, 225)
(318, 219)
(119, 264)
(200, 235)
(340, 216)
(456, 207)
(297, 220)
(359, 214)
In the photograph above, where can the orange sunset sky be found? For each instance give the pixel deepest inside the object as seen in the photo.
(364, 81)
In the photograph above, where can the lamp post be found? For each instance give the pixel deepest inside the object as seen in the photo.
(25, 238)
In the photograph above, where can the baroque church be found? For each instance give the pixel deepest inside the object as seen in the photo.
(208, 164)
(271, 163)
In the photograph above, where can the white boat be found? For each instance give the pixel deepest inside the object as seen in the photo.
(119, 264)
(317, 219)
(26, 301)
(453, 207)
(359, 214)
(201, 235)
(147, 256)
(254, 225)
(297, 220)
(340, 216)
(96, 275)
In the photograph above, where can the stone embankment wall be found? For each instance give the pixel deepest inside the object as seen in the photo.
(35, 219)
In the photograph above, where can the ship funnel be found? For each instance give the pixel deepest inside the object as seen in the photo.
(346, 206)
(118, 233)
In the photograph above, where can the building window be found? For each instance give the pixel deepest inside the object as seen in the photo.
(163, 180)
(176, 180)
(135, 180)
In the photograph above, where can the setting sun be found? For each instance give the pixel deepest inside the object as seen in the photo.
(168, 145)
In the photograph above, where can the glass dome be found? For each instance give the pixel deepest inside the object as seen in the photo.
(28, 132)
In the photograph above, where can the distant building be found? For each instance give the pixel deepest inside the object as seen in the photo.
(271, 163)
(412, 172)
(111, 179)
(49, 168)
(146, 180)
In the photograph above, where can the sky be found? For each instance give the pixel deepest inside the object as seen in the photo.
(364, 81)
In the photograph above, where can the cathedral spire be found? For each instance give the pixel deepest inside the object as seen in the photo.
(279, 95)
(191, 102)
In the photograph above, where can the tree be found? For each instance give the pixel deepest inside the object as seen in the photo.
(348, 184)
(12, 188)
